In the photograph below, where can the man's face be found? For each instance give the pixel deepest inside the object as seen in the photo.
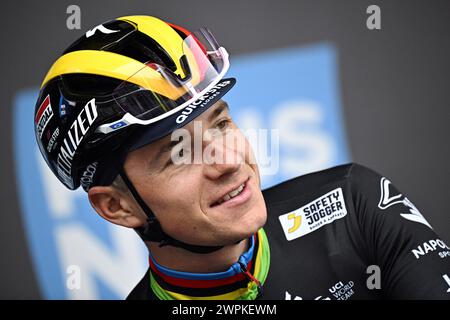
(192, 199)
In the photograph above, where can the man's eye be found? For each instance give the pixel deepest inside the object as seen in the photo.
(222, 124)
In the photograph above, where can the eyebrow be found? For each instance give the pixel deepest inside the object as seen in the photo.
(223, 106)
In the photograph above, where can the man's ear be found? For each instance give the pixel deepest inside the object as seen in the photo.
(116, 206)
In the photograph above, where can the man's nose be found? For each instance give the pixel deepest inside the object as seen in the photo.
(221, 158)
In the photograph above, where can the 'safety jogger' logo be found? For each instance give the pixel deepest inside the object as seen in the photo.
(314, 215)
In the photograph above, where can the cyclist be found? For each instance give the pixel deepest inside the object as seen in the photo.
(105, 119)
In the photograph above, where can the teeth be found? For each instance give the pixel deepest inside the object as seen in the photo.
(233, 193)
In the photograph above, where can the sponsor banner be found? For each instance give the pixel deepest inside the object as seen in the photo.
(314, 215)
(432, 246)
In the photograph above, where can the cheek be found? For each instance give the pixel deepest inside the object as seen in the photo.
(178, 209)
(250, 158)
(175, 197)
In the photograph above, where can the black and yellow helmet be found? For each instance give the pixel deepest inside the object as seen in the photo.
(132, 74)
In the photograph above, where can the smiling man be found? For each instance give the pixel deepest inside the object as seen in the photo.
(133, 112)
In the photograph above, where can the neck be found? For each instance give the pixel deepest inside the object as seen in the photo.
(186, 261)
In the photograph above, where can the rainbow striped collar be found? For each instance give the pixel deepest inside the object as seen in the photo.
(242, 281)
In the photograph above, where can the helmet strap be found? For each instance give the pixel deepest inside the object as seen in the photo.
(152, 230)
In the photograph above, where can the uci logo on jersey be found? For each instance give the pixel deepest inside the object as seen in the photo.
(314, 215)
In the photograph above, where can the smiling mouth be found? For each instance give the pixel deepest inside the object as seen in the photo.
(230, 195)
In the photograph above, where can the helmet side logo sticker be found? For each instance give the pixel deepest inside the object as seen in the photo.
(62, 110)
(314, 215)
(64, 106)
(100, 28)
(118, 125)
(88, 176)
(43, 116)
(52, 140)
(75, 135)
